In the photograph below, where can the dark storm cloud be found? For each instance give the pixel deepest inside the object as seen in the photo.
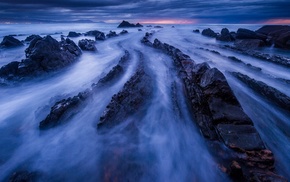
(222, 11)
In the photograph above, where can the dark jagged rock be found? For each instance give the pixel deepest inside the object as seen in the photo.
(196, 31)
(158, 26)
(97, 34)
(268, 92)
(112, 34)
(59, 112)
(221, 118)
(87, 45)
(43, 55)
(123, 32)
(74, 34)
(225, 35)
(209, 33)
(31, 37)
(249, 43)
(126, 24)
(9, 42)
(128, 101)
(66, 108)
(145, 39)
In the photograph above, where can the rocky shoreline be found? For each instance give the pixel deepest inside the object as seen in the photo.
(220, 118)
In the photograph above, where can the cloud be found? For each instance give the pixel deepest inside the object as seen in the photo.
(223, 11)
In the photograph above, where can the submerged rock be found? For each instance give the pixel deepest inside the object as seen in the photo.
(74, 34)
(87, 45)
(209, 33)
(196, 31)
(10, 42)
(43, 55)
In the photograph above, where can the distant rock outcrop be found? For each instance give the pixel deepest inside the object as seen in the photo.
(126, 24)
(43, 55)
(9, 42)
(112, 34)
(87, 45)
(123, 32)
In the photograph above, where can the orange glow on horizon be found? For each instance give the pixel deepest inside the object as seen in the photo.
(278, 21)
(168, 21)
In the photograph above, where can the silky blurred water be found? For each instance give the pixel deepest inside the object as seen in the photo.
(168, 141)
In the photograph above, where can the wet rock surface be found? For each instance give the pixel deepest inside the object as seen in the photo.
(270, 93)
(23, 176)
(112, 34)
(123, 32)
(245, 44)
(43, 55)
(10, 42)
(66, 108)
(130, 100)
(87, 45)
(220, 117)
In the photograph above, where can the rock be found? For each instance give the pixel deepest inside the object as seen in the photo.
(66, 108)
(273, 29)
(245, 44)
(243, 33)
(87, 45)
(31, 37)
(126, 24)
(220, 117)
(128, 101)
(59, 112)
(139, 25)
(10, 42)
(123, 32)
(112, 34)
(243, 137)
(43, 55)
(196, 31)
(283, 41)
(97, 34)
(268, 92)
(73, 34)
(225, 35)
(139, 30)
(158, 26)
(209, 33)
(23, 176)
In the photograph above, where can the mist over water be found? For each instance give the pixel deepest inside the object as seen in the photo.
(166, 142)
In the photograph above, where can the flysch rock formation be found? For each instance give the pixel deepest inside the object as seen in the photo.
(221, 119)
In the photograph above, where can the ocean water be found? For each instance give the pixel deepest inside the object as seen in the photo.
(170, 146)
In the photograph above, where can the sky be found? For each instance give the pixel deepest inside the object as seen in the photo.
(147, 11)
